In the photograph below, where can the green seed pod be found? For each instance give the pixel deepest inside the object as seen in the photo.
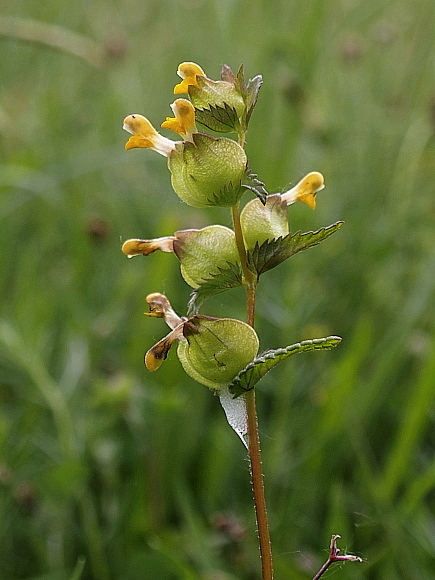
(214, 350)
(203, 252)
(264, 222)
(208, 171)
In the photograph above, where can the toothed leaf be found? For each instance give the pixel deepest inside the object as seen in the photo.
(216, 282)
(222, 119)
(252, 183)
(249, 92)
(254, 371)
(253, 87)
(272, 252)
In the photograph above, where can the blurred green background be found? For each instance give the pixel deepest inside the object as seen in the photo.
(138, 474)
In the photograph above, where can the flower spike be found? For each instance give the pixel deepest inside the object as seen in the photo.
(145, 136)
(184, 121)
(188, 71)
(306, 190)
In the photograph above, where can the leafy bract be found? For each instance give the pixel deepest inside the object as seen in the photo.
(219, 118)
(254, 371)
(262, 258)
(249, 92)
(253, 184)
(215, 283)
(272, 252)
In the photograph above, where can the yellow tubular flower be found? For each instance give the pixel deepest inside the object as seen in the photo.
(145, 136)
(137, 247)
(188, 71)
(160, 307)
(184, 121)
(306, 190)
(159, 352)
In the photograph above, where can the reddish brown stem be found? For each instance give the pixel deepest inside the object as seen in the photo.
(250, 283)
(334, 557)
(258, 488)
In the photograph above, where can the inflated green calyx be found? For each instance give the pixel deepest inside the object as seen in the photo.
(208, 171)
(203, 252)
(216, 349)
(261, 222)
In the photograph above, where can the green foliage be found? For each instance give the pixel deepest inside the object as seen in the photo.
(215, 283)
(254, 185)
(219, 118)
(262, 364)
(272, 252)
(138, 473)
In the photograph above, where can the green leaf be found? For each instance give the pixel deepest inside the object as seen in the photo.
(252, 183)
(249, 92)
(216, 282)
(253, 87)
(222, 119)
(272, 252)
(254, 371)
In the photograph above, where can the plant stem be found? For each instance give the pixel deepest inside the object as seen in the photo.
(258, 488)
(250, 283)
(335, 557)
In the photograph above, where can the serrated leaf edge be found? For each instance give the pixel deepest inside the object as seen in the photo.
(233, 268)
(254, 254)
(325, 343)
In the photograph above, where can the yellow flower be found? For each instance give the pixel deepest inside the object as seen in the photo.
(184, 121)
(160, 307)
(145, 136)
(306, 190)
(188, 71)
(136, 247)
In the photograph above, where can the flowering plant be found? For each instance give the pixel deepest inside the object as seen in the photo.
(208, 170)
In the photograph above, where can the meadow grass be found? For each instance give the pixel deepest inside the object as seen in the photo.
(110, 472)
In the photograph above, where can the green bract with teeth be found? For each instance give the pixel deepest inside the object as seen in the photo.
(208, 171)
(215, 350)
